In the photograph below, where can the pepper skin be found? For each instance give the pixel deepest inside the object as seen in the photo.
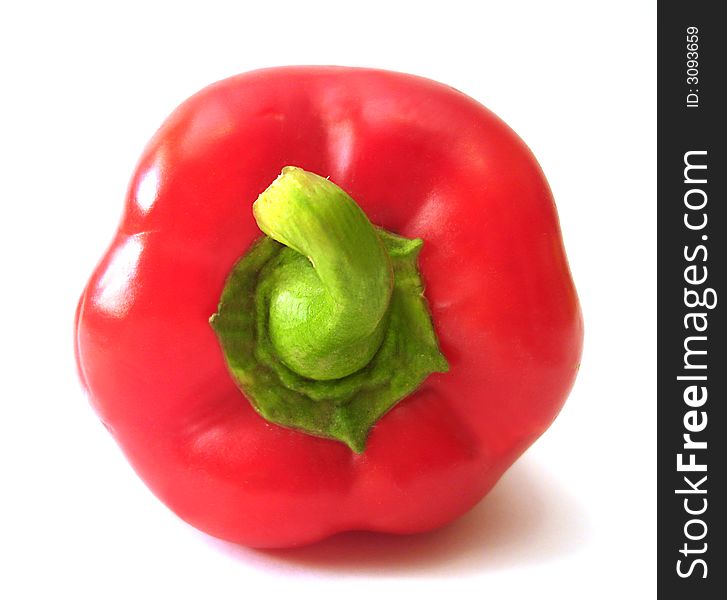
(423, 161)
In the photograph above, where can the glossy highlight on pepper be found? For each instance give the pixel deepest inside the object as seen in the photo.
(460, 206)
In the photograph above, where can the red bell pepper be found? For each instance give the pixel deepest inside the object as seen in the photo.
(328, 394)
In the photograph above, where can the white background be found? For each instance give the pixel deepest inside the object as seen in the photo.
(83, 88)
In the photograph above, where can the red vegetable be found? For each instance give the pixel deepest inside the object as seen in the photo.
(423, 161)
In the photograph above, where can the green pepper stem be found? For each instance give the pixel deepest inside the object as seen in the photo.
(329, 299)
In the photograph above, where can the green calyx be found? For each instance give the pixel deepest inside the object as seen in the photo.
(323, 323)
